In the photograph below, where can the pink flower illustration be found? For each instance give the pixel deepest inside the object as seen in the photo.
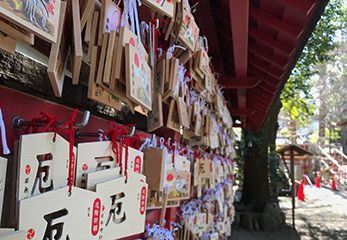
(50, 8)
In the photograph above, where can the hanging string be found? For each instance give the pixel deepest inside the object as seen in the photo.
(144, 29)
(130, 10)
(70, 124)
(5, 149)
(50, 120)
(172, 49)
(120, 133)
(155, 28)
(203, 43)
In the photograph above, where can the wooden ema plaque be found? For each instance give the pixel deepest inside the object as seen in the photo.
(99, 93)
(189, 32)
(43, 164)
(183, 112)
(173, 117)
(197, 223)
(59, 55)
(125, 36)
(7, 43)
(154, 167)
(17, 33)
(178, 181)
(40, 17)
(77, 52)
(164, 7)
(96, 156)
(110, 17)
(91, 157)
(116, 210)
(155, 117)
(138, 77)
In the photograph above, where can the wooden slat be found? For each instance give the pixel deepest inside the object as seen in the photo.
(269, 79)
(274, 22)
(262, 99)
(262, 93)
(303, 5)
(267, 87)
(270, 41)
(265, 55)
(275, 72)
(232, 83)
(241, 112)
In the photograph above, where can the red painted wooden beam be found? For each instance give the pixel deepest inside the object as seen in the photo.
(267, 87)
(241, 112)
(273, 71)
(270, 41)
(257, 104)
(262, 99)
(274, 22)
(265, 55)
(220, 31)
(260, 93)
(267, 78)
(239, 17)
(303, 5)
(232, 83)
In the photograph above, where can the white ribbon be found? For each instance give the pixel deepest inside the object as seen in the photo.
(181, 71)
(144, 29)
(160, 52)
(203, 43)
(172, 49)
(147, 143)
(158, 233)
(130, 10)
(5, 149)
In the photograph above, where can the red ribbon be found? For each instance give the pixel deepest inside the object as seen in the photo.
(71, 130)
(51, 120)
(119, 133)
(157, 33)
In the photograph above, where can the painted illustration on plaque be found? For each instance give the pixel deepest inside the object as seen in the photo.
(138, 76)
(39, 16)
(189, 30)
(178, 183)
(112, 17)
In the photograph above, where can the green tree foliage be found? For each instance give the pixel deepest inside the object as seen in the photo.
(296, 96)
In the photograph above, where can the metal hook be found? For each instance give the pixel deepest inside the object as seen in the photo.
(18, 123)
(79, 134)
(132, 132)
(153, 139)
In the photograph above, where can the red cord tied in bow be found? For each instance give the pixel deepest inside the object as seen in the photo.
(155, 26)
(50, 122)
(135, 141)
(71, 130)
(120, 133)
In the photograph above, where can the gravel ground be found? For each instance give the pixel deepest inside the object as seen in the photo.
(322, 216)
